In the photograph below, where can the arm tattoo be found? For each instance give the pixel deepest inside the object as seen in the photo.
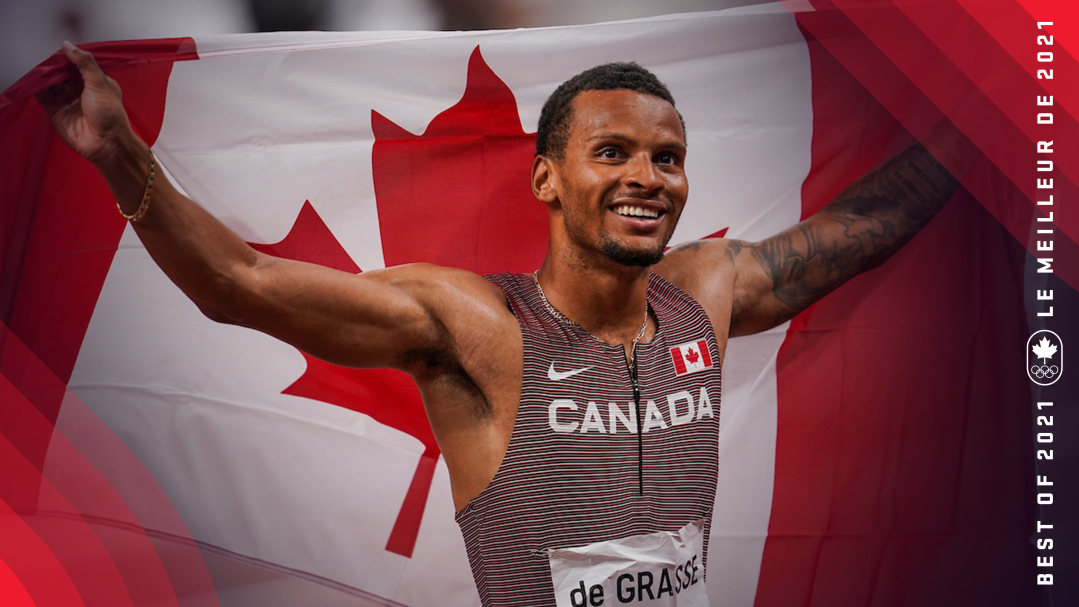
(859, 230)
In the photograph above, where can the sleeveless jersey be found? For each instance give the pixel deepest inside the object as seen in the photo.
(574, 472)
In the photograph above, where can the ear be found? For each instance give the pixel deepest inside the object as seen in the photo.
(544, 179)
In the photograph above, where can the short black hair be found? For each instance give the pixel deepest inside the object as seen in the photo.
(557, 113)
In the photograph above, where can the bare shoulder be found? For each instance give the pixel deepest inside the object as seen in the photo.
(705, 270)
(460, 302)
(471, 324)
(438, 288)
(702, 268)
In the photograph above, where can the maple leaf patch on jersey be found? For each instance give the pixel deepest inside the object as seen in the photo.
(691, 357)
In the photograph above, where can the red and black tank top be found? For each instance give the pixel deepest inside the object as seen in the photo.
(576, 470)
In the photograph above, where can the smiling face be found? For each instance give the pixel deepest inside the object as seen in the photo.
(621, 185)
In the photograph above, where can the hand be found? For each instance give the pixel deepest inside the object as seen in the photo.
(87, 112)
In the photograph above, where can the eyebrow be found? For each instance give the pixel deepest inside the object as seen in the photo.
(672, 144)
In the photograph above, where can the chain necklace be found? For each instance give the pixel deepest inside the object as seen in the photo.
(560, 316)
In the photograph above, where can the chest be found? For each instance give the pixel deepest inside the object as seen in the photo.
(585, 388)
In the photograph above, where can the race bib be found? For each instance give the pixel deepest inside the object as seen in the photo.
(653, 569)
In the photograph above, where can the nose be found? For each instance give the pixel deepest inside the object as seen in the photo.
(643, 176)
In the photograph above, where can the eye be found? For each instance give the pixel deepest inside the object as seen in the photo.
(667, 158)
(610, 153)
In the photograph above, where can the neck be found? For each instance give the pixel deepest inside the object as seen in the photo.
(607, 300)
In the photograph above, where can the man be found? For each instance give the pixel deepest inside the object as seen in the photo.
(578, 407)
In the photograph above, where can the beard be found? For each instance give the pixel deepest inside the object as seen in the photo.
(620, 254)
(615, 250)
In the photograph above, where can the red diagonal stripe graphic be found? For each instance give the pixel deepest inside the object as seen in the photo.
(909, 75)
(953, 41)
(999, 18)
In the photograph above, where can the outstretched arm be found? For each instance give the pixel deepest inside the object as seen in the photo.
(778, 277)
(375, 319)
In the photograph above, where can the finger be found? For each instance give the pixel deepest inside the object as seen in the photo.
(84, 60)
(60, 95)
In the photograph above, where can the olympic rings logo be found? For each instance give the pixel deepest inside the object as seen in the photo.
(1045, 357)
(1044, 372)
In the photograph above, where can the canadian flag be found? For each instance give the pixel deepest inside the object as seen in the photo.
(874, 450)
(691, 357)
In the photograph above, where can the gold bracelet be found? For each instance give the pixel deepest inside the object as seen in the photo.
(147, 193)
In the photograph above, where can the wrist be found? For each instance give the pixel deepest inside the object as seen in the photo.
(125, 164)
(119, 152)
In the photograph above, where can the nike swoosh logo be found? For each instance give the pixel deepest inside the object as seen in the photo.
(556, 376)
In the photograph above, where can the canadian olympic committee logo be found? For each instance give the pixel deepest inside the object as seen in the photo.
(1045, 357)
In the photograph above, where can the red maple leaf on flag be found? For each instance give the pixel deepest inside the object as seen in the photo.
(692, 356)
(390, 397)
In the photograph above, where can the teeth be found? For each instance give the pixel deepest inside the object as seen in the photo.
(630, 211)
